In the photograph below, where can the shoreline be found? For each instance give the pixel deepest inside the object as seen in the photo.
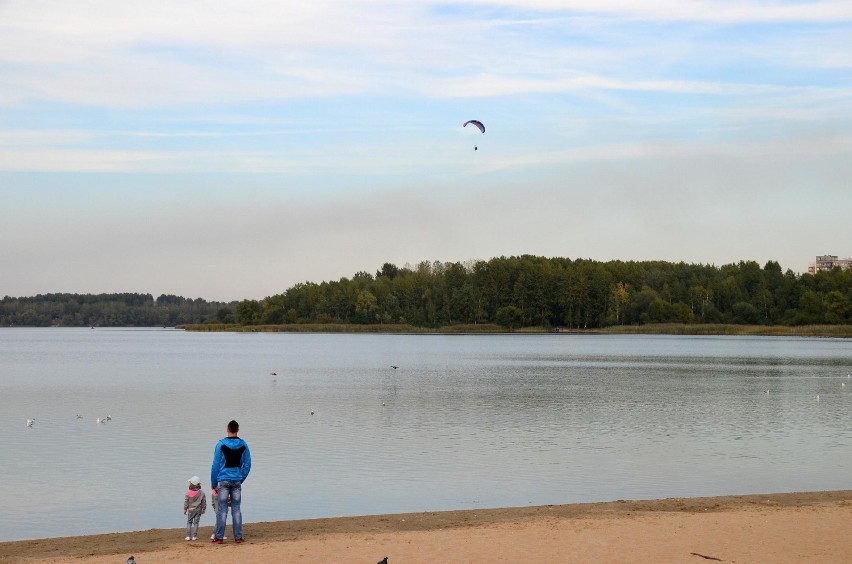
(623, 528)
(703, 329)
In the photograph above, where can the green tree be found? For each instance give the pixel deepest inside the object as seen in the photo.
(365, 306)
(248, 312)
(621, 301)
(509, 316)
(837, 307)
(744, 313)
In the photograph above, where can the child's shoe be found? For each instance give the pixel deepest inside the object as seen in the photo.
(187, 538)
(194, 538)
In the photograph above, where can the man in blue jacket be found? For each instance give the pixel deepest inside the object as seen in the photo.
(231, 466)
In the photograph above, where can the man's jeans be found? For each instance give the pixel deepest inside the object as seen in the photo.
(232, 489)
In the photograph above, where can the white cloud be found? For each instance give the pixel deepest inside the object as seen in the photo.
(75, 160)
(55, 31)
(717, 11)
(177, 54)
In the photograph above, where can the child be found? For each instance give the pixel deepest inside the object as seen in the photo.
(215, 499)
(194, 506)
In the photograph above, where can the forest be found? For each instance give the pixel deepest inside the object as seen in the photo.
(110, 310)
(511, 292)
(532, 291)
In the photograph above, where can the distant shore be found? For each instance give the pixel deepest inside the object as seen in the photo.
(777, 528)
(841, 331)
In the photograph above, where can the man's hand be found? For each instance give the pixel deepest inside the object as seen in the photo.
(215, 492)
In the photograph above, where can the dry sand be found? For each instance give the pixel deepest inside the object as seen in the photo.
(776, 528)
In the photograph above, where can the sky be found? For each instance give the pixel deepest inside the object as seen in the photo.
(229, 150)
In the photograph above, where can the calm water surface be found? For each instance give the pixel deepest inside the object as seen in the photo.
(466, 421)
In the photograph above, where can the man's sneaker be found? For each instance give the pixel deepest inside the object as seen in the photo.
(187, 538)
(238, 541)
(216, 541)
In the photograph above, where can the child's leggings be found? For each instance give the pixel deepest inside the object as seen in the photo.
(192, 519)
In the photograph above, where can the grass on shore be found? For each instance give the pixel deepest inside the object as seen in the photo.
(730, 329)
(342, 328)
(844, 331)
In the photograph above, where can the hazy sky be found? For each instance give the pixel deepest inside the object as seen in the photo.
(231, 149)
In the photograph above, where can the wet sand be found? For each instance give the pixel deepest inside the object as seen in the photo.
(777, 528)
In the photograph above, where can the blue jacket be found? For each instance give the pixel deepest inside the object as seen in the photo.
(231, 461)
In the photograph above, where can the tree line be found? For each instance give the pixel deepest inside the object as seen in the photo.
(513, 292)
(532, 291)
(111, 310)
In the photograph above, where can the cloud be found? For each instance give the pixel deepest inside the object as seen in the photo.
(714, 11)
(167, 54)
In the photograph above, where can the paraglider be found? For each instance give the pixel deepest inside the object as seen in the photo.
(478, 124)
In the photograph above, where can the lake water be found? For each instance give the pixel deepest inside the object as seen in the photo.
(466, 421)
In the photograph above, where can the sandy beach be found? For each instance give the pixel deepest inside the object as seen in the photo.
(777, 528)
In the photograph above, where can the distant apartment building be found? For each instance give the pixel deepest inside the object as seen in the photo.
(826, 263)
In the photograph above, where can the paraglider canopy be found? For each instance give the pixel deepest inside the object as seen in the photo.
(477, 123)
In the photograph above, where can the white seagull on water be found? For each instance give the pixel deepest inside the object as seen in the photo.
(30, 422)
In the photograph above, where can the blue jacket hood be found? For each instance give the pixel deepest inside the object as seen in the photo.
(231, 461)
